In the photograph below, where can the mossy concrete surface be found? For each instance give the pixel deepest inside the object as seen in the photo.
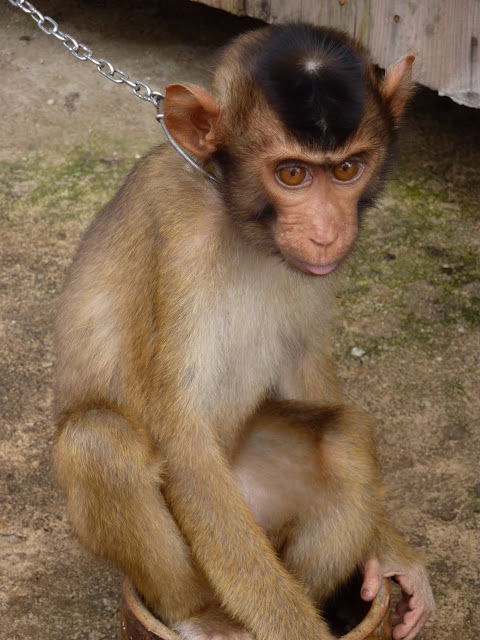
(406, 341)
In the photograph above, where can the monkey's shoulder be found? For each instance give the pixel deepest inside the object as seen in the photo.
(160, 187)
(162, 204)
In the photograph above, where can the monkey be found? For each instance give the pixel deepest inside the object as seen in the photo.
(203, 441)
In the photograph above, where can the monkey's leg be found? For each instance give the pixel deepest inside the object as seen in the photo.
(337, 533)
(319, 496)
(311, 478)
(112, 476)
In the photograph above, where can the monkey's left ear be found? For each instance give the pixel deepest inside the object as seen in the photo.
(398, 85)
(190, 114)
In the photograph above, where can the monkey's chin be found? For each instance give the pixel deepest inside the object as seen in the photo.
(311, 268)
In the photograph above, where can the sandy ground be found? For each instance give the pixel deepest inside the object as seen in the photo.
(410, 304)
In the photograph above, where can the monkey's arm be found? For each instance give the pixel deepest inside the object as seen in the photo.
(228, 544)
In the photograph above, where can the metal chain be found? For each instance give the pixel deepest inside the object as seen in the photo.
(82, 52)
(106, 68)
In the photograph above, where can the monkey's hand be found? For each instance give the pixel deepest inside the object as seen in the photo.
(415, 606)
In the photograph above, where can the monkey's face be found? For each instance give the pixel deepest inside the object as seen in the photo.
(298, 202)
(315, 200)
(302, 139)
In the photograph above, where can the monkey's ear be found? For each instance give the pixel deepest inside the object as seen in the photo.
(398, 85)
(190, 114)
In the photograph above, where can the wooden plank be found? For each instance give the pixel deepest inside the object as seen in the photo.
(444, 35)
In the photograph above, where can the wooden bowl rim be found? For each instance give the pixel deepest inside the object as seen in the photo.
(378, 610)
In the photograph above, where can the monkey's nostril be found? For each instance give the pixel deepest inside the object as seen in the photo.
(324, 240)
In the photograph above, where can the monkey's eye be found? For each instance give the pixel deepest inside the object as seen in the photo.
(347, 170)
(292, 176)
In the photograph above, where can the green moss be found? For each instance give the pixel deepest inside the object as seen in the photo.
(469, 313)
(422, 236)
(39, 187)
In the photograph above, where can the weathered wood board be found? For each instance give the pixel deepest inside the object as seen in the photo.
(444, 35)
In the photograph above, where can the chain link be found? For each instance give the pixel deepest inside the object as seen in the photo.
(106, 68)
(82, 52)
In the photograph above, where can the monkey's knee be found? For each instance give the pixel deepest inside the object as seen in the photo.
(104, 463)
(103, 444)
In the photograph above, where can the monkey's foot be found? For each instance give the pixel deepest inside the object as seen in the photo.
(211, 624)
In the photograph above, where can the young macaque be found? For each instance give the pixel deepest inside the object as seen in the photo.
(203, 442)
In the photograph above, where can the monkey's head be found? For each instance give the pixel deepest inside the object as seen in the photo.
(298, 135)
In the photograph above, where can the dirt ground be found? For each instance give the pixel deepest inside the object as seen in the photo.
(410, 309)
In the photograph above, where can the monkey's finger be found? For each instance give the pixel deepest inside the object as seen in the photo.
(412, 634)
(411, 624)
(418, 627)
(371, 579)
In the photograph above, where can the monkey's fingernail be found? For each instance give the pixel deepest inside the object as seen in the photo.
(366, 593)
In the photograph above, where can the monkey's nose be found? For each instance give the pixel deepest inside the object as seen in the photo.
(324, 235)
(325, 248)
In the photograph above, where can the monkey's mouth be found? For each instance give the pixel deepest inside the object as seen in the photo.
(316, 270)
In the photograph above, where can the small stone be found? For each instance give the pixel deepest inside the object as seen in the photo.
(50, 101)
(450, 269)
(357, 352)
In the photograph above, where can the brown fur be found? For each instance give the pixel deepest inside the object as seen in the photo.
(202, 441)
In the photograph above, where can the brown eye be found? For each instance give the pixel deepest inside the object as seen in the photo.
(292, 176)
(346, 170)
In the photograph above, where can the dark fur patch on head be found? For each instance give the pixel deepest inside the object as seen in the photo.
(315, 81)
